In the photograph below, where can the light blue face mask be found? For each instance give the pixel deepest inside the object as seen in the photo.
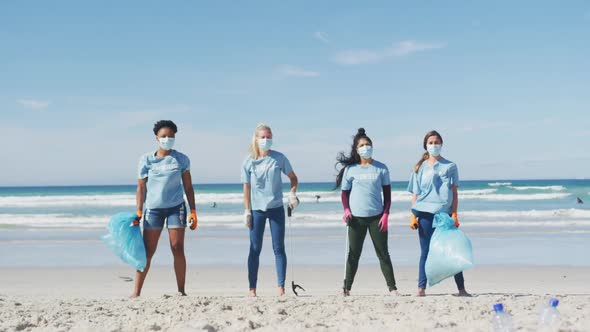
(264, 143)
(166, 143)
(365, 151)
(434, 149)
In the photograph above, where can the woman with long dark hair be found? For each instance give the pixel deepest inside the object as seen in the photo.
(362, 179)
(433, 185)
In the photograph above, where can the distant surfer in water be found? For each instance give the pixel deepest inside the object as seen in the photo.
(579, 200)
(317, 198)
(214, 205)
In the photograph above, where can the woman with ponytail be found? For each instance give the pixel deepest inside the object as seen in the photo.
(433, 185)
(362, 179)
(263, 199)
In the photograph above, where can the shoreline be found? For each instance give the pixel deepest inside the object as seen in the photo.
(219, 280)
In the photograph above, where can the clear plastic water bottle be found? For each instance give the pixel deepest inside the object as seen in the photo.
(501, 321)
(550, 318)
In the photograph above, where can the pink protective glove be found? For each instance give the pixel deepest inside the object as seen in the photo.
(383, 223)
(347, 216)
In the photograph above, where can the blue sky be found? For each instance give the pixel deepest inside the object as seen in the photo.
(506, 83)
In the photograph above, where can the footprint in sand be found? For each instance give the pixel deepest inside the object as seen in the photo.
(126, 279)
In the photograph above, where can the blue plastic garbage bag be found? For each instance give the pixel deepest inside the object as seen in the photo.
(450, 250)
(125, 240)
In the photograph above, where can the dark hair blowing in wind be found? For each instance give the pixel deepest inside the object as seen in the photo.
(354, 158)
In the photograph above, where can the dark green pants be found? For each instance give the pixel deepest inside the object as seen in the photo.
(357, 231)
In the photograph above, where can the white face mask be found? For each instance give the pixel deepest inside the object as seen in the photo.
(166, 143)
(365, 151)
(434, 149)
(264, 143)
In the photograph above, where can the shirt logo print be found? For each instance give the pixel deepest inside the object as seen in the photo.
(367, 177)
(261, 168)
(166, 167)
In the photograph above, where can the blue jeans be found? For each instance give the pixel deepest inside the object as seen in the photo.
(425, 234)
(276, 219)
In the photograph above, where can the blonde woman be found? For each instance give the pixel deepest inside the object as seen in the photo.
(263, 199)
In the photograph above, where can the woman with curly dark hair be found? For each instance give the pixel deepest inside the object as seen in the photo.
(163, 178)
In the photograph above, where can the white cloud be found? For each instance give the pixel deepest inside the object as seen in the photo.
(293, 71)
(33, 104)
(321, 37)
(410, 46)
(404, 48)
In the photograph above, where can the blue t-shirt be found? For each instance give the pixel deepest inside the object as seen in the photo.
(164, 178)
(264, 176)
(366, 185)
(434, 186)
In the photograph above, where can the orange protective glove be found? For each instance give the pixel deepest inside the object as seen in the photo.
(455, 218)
(137, 218)
(192, 220)
(414, 222)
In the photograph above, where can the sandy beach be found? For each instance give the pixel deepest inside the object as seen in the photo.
(95, 299)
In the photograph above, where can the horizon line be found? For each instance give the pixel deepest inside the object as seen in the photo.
(311, 182)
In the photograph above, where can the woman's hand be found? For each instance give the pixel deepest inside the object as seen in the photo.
(455, 218)
(192, 219)
(187, 182)
(293, 200)
(384, 222)
(138, 216)
(248, 219)
(414, 224)
(347, 216)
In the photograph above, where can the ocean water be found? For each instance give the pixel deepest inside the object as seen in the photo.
(512, 222)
